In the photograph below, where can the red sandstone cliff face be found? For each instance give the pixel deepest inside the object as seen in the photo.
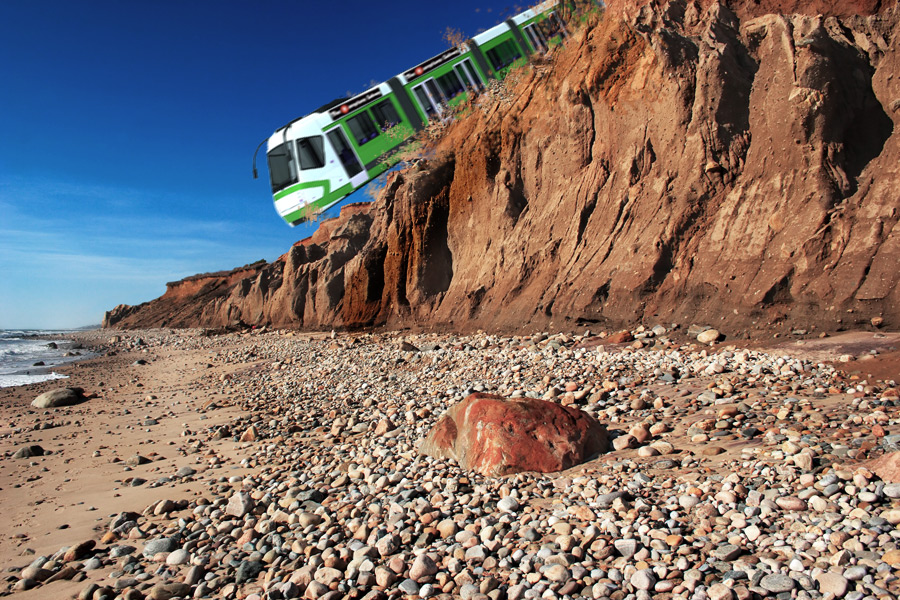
(679, 162)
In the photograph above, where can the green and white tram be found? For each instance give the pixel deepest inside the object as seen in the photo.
(317, 160)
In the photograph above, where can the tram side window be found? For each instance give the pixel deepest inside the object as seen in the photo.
(466, 73)
(551, 27)
(312, 152)
(341, 147)
(362, 128)
(536, 39)
(558, 25)
(450, 85)
(503, 54)
(548, 28)
(425, 101)
(385, 114)
(282, 170)
(435, 92)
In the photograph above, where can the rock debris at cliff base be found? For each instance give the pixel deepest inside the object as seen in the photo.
(279, 465)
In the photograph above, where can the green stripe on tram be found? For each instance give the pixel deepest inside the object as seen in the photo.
(304, 212)
(323, 183)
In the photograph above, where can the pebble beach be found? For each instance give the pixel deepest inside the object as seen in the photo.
(279, 465)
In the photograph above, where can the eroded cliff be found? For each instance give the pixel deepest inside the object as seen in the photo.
(717, 162)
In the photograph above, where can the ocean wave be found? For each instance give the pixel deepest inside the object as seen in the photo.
(14, 380)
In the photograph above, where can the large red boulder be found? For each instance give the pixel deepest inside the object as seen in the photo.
(497, 436)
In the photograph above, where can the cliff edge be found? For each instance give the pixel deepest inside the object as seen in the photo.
(730, 163)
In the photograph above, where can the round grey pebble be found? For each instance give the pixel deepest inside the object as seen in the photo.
(892, 490)
(117, 551)
(777, 583)
(855, 573)
(726, 552)
(508, 504)
(408, 586)
(159, 545)
(185, 472)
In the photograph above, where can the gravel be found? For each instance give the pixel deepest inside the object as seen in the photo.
(333, 500)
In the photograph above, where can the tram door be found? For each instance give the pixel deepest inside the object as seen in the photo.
(348, 157)
(430, 99)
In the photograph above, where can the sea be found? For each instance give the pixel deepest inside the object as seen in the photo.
(20, 350)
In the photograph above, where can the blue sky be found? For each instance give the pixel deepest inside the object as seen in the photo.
(127, 130)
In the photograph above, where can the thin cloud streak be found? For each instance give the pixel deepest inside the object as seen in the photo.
(105, 257)
(41, 191)
(156, 259)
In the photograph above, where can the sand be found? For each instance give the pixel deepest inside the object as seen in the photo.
(69, 496)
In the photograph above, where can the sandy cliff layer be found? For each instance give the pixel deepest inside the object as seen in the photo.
(725, 163)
